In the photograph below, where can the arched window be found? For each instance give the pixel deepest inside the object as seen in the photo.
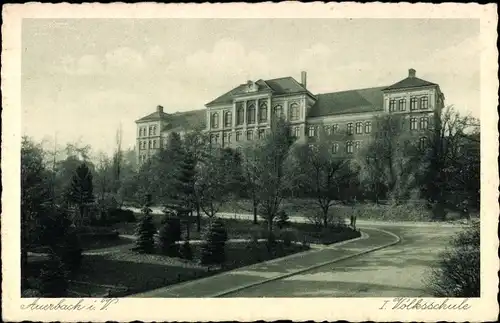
(215, 120)
(413, 123)
(424, 123)
(251, 114)
(228, 119)
(278, 111)
(154, 143)
(263, 112)
(422, 143)
(335, 148)
(294, 112)
(349, 147)
(359, 127)
(349, 129)
(368, 127)
(402, 104)
(240, 115)
(154, 130)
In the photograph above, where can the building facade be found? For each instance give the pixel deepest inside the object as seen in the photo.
(247, 112)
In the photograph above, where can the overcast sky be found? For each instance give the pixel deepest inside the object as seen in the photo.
(81, 78)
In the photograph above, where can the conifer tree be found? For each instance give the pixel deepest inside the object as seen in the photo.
(145, 230)
(213, 251)
(80, 191)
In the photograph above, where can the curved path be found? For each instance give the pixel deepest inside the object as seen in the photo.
(261, 274)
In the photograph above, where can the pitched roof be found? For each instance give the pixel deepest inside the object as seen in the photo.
(180, 121)
(157, 115)
(409, 82)
(352, 101)
(284, 85)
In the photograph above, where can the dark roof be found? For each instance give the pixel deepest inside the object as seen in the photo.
(157, 115)
(409, 82)
(284, 85)
(352, 101)
(185, 120)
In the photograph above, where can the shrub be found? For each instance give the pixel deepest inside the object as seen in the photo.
(71, 252)
(213, 251)
(186, 250)
(288, 236)
(282, 219)
(458, 273)
(120, 215)
(169, 234)
(145, 232)
(53, 279)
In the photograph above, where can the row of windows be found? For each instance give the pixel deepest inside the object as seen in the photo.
(149, 144)
(227, 136)
(416, 103)
(143, 131)
(424, 123)
(263, 110)
(355, 146)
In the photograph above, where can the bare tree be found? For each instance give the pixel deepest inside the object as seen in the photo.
(251, 170)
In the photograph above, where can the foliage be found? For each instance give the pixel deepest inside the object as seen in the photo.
(186, 250)
(169, 234)
(80, 191)
(213, 251)
(288, 236)
(53, 279)
(145, 230)
(458, 273)
(282, 219)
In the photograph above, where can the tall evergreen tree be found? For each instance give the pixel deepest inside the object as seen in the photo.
(145, 230)
(81, 190)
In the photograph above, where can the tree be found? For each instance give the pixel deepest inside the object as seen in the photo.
(54, 278)
(168, 236)
(34, 194)
(216, 180)
(81, 191)
(250, 172)
(451, 162)
(322, 171)
(387, 162)
(117, 162)
(458, 273)
(213, 251)
(276, 176)
(145, 230)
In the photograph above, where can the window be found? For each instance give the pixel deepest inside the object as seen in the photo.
(140, 132)
(251, 114)
(150, 130)
(249, 135)
(335, 148)
(150, 144)
(424, 103)
(263, 112)
(228, 119)
(359, 127)
(413, 123)
(215, 120)
(154, 130)
(328, 130)
(357, 146)
(335, 128)
(296, 131)
(368, 127)
(422, 143)
(402, 105)
(278, 111)
(413, 103)
(229, 135)
(424, 123)
(312, 131)
(349, 147)
(240, 111)
(349, 128)
(392, 105)
(238, 135)
(294, 112)
(154, 143)
(216, 139)
(261, 133)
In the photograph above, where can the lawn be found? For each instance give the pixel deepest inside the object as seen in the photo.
(246, 229)
(131, 272)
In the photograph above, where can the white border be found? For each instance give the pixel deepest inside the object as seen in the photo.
(301, 309)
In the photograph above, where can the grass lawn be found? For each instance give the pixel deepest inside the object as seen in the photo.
(90, 244)
(132, 273)
(246, 229)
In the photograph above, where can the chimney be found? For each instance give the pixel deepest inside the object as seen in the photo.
(159, 109)
(411, 72)
(303, 75)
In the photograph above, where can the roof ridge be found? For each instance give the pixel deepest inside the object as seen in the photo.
(361, 89)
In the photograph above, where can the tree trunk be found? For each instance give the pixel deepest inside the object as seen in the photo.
(254, 213)
(198, 218)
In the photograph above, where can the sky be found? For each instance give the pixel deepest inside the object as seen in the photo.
(82, 78)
